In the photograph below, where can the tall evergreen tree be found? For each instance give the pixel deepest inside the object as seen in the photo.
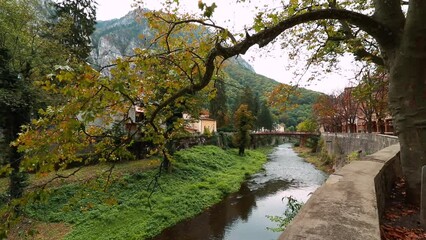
(244, 122)
(248, 98)
(15, 108)
(74, 22)
(256, 104)
(265, 119)
(218, 107)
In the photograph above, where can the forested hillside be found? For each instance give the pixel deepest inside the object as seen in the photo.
(118, 37)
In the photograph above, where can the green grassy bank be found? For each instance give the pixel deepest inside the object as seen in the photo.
(201, 176)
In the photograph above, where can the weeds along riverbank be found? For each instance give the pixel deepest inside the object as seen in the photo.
(201, 177)
(320, 159)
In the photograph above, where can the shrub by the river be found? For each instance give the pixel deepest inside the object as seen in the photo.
(293, 207)
(201, 176)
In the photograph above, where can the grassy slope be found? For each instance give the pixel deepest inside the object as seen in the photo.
(201, 177)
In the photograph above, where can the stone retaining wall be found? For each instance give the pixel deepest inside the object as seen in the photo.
(368, 143)
(350, 203)
(340, 145)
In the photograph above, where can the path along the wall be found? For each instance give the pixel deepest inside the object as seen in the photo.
(350, 203)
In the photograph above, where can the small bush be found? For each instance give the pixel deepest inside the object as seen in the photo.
(353, 156)
(207, 132)
(293, 207)
(312, 143)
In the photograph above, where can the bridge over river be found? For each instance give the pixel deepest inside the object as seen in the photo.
(303, 136)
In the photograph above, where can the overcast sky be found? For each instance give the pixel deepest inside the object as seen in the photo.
(269, 63)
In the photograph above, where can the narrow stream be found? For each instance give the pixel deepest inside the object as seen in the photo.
(242, 215)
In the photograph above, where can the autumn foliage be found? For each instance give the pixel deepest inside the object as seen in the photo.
(326, 111)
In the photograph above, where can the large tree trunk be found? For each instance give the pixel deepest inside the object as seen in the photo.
(369, 124)
(17, 179)
(381, 126)
(408, 97)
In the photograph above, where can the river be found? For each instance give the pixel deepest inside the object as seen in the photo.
(242, 215)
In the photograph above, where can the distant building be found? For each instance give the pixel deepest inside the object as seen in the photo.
(280, 127)
(136, 114)
(277, 128)
(377, 124)
(201, 125)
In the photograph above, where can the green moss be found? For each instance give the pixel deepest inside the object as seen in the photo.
(201, 177)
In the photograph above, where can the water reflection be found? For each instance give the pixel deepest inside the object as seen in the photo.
(242, 215)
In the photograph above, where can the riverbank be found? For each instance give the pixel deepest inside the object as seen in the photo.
(201, 177)
(319, 159)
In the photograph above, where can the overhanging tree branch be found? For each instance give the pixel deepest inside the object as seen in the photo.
(384, 36)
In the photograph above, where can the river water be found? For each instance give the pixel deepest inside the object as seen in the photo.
(242, 215)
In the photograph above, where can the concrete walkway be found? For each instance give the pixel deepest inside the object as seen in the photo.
(345, 207)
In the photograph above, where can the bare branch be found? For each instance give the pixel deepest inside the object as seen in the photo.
(58, 176)
(109, 176)
(201, 22)
(179, 67)
(155, 184)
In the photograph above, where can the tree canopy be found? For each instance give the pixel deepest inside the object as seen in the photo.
(309, 125)
(74, 22)
(371, 93)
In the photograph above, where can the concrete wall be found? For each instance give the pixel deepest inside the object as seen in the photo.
(340, 145)
(350, 203)
(390, 171)
(345, 143)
